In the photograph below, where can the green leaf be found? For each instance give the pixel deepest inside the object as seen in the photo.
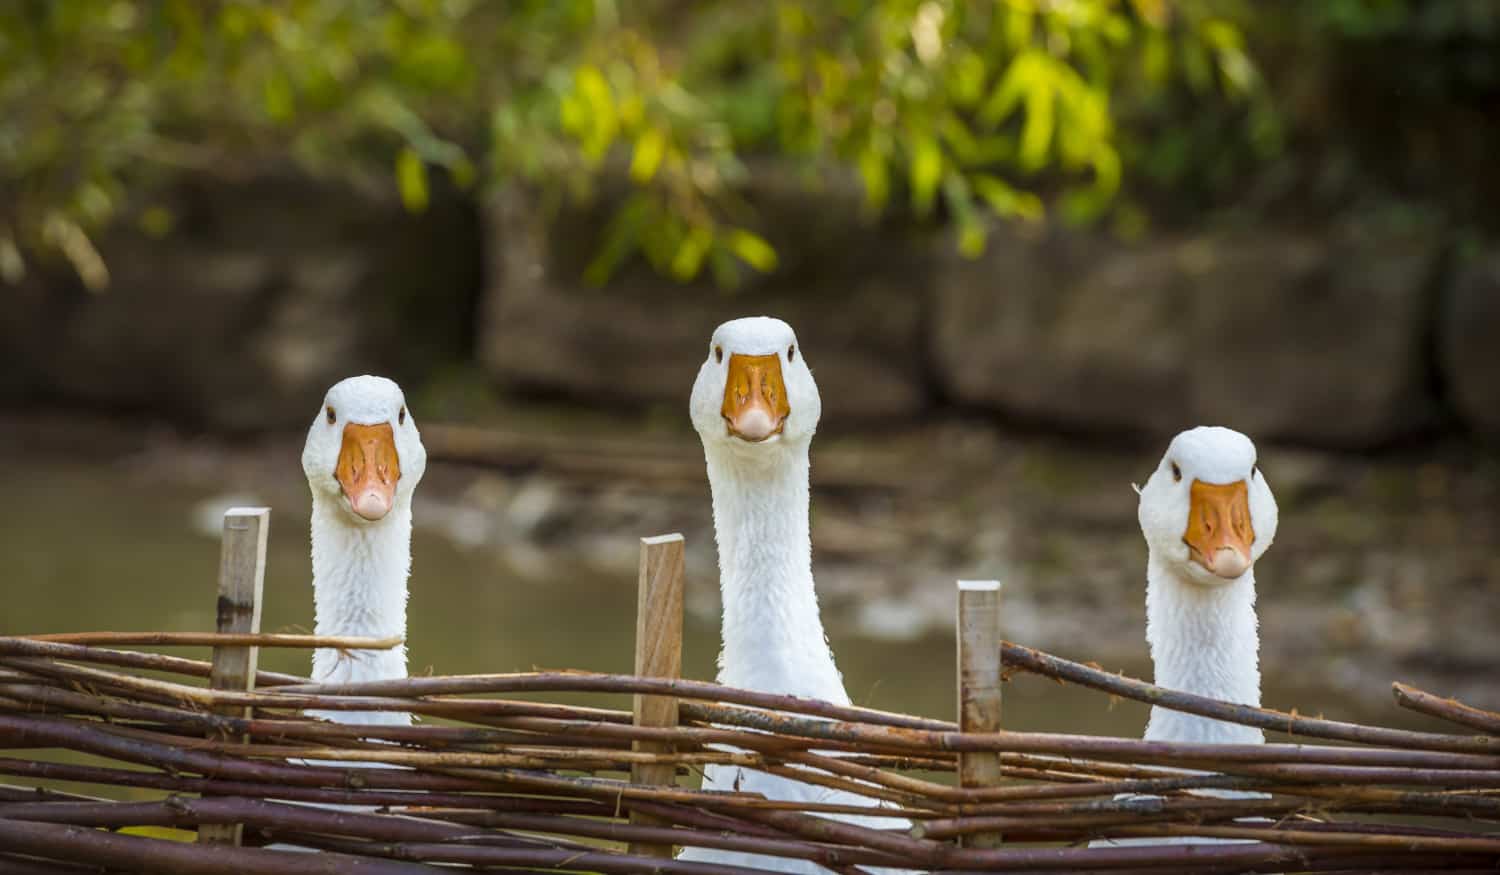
(1005, 200)
(411, 179)
(463, 173)
(650, 146)
(1019, 78)
(926, 172)
(690, 252)
(751, 249)
(596, 116)
(1036, 135)
(966, 79)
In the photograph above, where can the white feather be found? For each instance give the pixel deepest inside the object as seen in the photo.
(773, 637)
(360, 567)
(1202, 629)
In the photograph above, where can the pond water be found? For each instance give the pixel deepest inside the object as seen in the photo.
(95, 547)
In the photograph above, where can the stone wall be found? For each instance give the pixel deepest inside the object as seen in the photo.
(267, 292)
(1316, 338)
(1351, 335)
(853, 293)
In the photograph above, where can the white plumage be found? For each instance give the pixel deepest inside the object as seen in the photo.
(753, 382)
(360, 565)
(1201, 626)
(1207, 498)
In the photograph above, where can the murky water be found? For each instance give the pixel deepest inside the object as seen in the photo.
(89, 547)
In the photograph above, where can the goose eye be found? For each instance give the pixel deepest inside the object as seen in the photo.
(791, 352)
(401, 417)
(1176, 473)
(719, 354)
(332, 417)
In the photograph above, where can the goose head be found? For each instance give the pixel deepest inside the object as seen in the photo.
(363, 450)
(754, 392)
(1206, 510)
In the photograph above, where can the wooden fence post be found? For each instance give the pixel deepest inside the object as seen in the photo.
(658, 653)
(242, 575)
(978, 636)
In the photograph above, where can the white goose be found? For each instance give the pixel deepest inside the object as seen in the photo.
(363, 460)
(1207, 515)
(755, 406)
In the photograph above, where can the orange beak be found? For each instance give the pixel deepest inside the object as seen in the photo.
(755, 404)
(369, 468)
(1219, 533)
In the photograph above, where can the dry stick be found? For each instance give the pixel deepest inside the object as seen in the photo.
(1088, 817)
(133, 853)
(1183, 754)
(596, 682)
(1022, 657)
(1464, 805)
(1288, 800)
(1349, 863)
(218, 639)
(377, 798)
(83, 738)
(606, 761)
(200, 697)
(1371, 776)
(15, 865)
(979, 696)
(1177, 857)
(131, 659)
(658, 653)
(41, 794)
(562, 860)
(1292, 836)
(242, 577)
(1367, 773)
(891, 737)
(261, 814)
(86, 739)
(111, 814)
(414, 758)
(841, 861)
(667, 836)
(1453, 710)
(178, 811)
(1051, 666)
(857, 788)
(437, 736)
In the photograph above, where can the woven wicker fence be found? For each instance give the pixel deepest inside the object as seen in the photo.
(487, 781)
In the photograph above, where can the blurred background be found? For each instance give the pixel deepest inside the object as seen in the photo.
(1023, 243)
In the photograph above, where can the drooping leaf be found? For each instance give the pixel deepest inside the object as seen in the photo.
(411, 180)
(752, 249)
(650, 146)
(926, 172)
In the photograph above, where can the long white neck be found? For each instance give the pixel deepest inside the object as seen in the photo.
(773, 636)
(359, 588)
(1203, 640)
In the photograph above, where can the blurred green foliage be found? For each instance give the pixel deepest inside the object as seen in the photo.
(958, 110)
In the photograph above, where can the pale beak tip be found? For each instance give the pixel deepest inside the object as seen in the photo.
(753, 425)
(1228, 563)
(371, 504)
